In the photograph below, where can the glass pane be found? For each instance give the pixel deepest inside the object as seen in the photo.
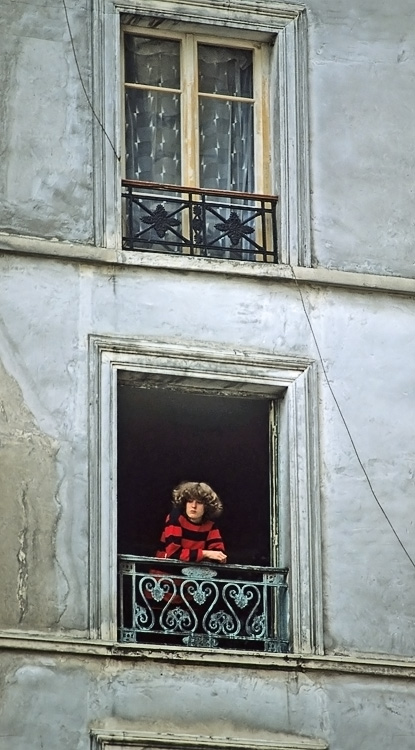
(152, 62)
(225, 70)
(226, 145)
(152, 136)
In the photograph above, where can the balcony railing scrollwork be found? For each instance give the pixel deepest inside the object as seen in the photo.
(206, 606)
(192, 221)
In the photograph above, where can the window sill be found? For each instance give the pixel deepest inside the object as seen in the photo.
(364, 664)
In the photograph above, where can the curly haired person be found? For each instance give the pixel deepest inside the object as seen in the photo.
(190, 533)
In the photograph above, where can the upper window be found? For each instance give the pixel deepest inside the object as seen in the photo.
(196, 116)
(192, 107)
(228, 112)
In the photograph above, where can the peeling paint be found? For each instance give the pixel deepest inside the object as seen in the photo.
(23, 572)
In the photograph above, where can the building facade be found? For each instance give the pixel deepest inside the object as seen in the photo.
(207, 273)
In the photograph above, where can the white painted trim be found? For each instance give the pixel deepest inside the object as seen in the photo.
(33, 246)
(107, 106)
(121, 739)
(292, 380)
(267, 16)
(292, 142)
(363, 664)
(298, 470)
(289, 99)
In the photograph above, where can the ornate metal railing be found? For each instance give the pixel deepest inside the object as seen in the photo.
(206, 606)
(192, 221)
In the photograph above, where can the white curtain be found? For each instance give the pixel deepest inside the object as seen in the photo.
(226, 148)
(152, 118)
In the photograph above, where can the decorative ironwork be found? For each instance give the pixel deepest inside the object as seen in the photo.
(231, 606)
(160, 220)
(234, 228)
(192, 221)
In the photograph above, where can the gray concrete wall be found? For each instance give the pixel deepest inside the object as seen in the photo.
(48, 310)
(70, 697)
(45, 122)
(361, 75)
(362, 168)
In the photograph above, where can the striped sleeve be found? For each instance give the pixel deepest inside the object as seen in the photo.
(183, 540)
(214, 540)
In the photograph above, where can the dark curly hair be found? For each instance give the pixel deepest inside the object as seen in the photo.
(186, 491)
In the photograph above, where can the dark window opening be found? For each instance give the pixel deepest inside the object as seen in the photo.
(167, 436)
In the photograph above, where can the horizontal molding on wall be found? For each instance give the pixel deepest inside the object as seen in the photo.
(170, 741)
(362, 664)
(320, 276)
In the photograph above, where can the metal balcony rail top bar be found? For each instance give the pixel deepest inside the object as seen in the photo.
(262, 569)
(202, 605)
(199, 191)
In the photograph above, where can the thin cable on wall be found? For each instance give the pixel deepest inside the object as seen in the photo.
(345, 423)
(83, 85)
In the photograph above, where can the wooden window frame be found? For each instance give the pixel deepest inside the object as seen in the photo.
(190, 99)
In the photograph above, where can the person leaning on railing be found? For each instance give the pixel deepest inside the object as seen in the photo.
(190, 533)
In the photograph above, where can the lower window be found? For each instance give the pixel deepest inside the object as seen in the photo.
(162, 413)
(166, 437)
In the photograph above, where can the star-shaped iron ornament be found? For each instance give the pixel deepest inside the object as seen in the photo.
(160, 221)
(233, 228)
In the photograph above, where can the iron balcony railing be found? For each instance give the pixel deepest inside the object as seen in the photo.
(191, 221)
(204, 606)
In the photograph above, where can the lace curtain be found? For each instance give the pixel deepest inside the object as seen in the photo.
(153, 114)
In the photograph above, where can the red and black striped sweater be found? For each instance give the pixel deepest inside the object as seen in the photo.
(183, 540)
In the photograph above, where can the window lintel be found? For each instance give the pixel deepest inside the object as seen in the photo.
(269, 17)
(118, 740)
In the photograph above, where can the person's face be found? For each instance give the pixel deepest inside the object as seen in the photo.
(195, 510)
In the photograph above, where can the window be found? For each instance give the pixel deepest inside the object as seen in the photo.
(164, 437)
(196, 115)
(133, 381)
(267, 44)
(192, 107)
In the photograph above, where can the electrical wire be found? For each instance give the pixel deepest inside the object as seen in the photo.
(83, 85)
(353, 444)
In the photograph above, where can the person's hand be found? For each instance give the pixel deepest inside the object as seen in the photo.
(214, 554)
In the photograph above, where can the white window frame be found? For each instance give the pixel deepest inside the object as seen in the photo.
(293, 382)
(289, 106)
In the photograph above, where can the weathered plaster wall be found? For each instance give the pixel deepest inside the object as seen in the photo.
(29, 515)
(45, 123)
(362, 73)
(44, 451)
(68, 697)
(366, 341)
(362, 78)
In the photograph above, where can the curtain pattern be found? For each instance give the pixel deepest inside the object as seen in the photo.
(226, 150)
(153, 121)
(225, 147)
(152, 117)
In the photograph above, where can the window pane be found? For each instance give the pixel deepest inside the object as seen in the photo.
(226, 145)
(152, 62)
(152, 136)
(225, 70)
